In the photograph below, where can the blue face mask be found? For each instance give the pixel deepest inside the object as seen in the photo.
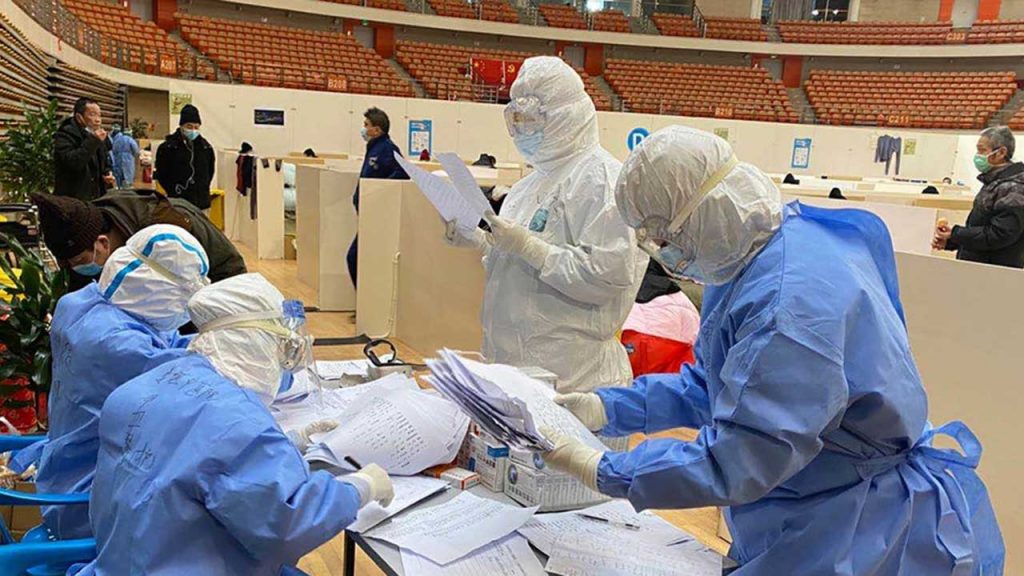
(91, 269)
(190, 134)
(287, 379)
(528, 145)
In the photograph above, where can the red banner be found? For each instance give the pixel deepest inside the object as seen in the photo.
(495, 72)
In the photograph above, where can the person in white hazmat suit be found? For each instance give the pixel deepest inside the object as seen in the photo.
(562, 267)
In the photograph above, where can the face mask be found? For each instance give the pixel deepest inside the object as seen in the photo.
(981, 162)
(364, 134)
(190, 134)
(528, 145)
(92, 269)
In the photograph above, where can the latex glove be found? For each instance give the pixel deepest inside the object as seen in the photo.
(586, 407)
(301, 438)
(373, 484)
(572, 457)
(499, 192)
(453, 238)
(515, 239)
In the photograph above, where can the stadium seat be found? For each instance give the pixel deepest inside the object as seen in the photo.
(735, 29)
(902, 33)
(562, 16)
(675, 25)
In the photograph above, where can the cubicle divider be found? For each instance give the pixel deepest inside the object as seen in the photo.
(325, 223)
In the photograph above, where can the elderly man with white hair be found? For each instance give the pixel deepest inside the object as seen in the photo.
(812, 416)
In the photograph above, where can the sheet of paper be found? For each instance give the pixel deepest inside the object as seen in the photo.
(652, 528)
(336, 370)
(449, 531)
(409, 490)
(464, 181)
(404, 432)
(510, 556)
(587, 554)
(451, 204)
(296, 414)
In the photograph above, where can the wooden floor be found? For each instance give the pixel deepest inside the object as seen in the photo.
(327, 560)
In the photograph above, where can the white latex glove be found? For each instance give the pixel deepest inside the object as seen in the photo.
(515, 239)
(453, 238)
(373, 484)
(572, 457)
(499, 192)
(301, 438)
(586, 407)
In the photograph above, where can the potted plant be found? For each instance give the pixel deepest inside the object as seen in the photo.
(140, 129)
(30, 292)
(26, 154)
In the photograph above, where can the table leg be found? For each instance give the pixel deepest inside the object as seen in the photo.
(350, 555)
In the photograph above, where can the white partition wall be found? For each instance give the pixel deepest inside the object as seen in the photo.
(325, 223)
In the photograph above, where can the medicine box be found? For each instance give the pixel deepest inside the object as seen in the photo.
(460, 478)
(552, 491)
(487, 457)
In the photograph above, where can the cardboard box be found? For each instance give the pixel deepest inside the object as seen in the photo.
(552, 491)
(23, 518)
(723, 528)
(289, 247)
(487, 457)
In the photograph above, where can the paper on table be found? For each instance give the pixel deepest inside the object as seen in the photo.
(449, 202)
(296, 414)
(587, 554)
(449, 531)
(408, 491)
(464, 181)
(652, 528)
(404, 432)
(336, 370)
(510, 556)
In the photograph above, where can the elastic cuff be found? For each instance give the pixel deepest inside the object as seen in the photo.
(362, 485)
(535, 253)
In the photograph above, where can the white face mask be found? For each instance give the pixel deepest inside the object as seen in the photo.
(365, 134)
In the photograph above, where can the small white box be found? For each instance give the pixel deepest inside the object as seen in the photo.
(460, 478)
(552, 491)
(487, 457)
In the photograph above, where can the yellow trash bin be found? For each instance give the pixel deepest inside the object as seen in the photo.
(217, 207)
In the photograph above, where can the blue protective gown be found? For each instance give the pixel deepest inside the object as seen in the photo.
(125, 150)
(812, 417)
(195, 477)
(96, 348)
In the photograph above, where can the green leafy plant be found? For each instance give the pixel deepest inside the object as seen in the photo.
(25, 359)
(26, 154)
(139, 128)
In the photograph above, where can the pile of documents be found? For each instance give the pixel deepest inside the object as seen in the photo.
(460, 201)
(405, 431)
(505, 403)
(298, 410)
(332, 374)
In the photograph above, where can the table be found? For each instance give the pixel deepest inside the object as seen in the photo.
(388, 557)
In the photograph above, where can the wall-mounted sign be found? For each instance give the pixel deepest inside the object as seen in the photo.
(636, 136)
(263, 117)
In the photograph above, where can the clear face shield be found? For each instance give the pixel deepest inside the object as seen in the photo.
(524, 117)
(672, 258)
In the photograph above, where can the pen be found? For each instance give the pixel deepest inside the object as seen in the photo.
(628, 525)
(352, 462)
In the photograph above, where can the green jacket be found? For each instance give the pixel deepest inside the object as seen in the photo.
(132, 211)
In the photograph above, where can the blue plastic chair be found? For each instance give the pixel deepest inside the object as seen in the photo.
(8, 442)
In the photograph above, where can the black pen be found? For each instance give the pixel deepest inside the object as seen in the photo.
(628, 525)
(352, 462)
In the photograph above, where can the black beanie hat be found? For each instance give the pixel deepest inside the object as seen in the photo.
(189, 113)
(69, 225)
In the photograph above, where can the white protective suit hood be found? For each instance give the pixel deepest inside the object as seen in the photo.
(154, 274)
(227, 315)
(570, 119)
(685, 186)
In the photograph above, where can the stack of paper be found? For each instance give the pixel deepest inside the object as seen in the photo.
(449, 531)
(505, 403)
(328, 371)
(297, 412)
(460, 201)
(408, 491)
(510, 556)
(403, 431)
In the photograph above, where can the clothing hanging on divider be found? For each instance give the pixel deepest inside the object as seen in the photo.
(886, 148)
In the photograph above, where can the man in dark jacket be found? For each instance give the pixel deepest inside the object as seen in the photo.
(81, 168)
(994, 232)
(379, 163)
(82, 235)
(185, 161)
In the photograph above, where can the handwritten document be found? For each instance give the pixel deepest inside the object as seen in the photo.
(408, 491)
(510, 556)
(589, 554)
(450, 202)
(449, 531)
(297, 414)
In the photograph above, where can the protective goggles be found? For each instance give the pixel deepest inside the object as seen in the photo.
(524, 116)
(672, 258)
(296, 350)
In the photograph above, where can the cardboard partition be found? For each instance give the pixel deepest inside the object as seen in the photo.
(911, 228)
(412, 285)
(964, 321)
(325, 224)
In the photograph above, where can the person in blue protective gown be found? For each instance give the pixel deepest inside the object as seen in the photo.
(194, 476)
(102, 336)
(812, 418)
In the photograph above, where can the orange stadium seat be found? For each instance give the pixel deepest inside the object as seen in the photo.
(1017, 122)
(444, 70)
(610, 21)
(699, 90)
(906, 33)
(996, 32)
(675, 25)
(735, 29)
(268, 55)
(561, 16)
(382, 4)
(489, 10)
(960, 100)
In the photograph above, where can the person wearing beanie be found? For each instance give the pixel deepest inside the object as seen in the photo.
(81, 161)
(83, 235)
(185, 161)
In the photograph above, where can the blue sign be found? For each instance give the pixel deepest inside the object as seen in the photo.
(801, 153)
(421, 137)
(636, 136)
